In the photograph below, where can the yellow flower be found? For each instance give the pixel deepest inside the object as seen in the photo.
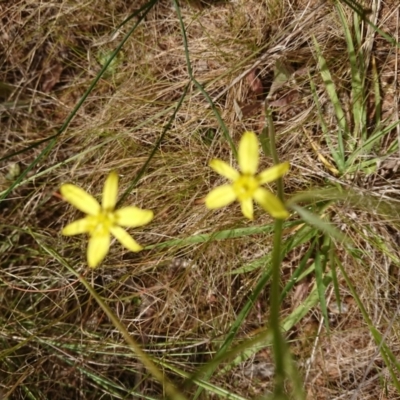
(246, 185)
(103, 220)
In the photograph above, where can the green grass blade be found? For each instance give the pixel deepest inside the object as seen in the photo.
(333, 96)
(317, 222)
(332, 264)
(359, 113)
(377, 95)
(297, 274)
(363, 13)
(221, 235)
(320, 265)
(303, 235)
(336, 154)
(369, 144)
(343, 129)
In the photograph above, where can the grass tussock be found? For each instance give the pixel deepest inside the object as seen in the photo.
(335, 113)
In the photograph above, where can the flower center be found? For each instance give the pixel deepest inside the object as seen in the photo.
(101, 223)
(245, 186)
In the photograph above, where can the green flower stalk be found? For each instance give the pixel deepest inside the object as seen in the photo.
(246, 186)
(102, 220)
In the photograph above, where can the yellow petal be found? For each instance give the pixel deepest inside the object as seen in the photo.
(247, 208)
(132, 217)
(224, 169)
(220, 197)
(248, 153)
(77, 227)
(80, 199)
(270, 203)
(273, 173)
(97, 249)
(125, 239)
(110, 192)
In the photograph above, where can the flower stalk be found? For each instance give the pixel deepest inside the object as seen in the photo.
(279, 346)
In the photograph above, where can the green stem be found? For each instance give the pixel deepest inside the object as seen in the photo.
(275, 295)
(279, 347)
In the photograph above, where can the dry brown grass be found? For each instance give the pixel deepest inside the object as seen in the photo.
(179, 301)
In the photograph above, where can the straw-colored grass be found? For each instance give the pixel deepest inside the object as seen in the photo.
(336, 121)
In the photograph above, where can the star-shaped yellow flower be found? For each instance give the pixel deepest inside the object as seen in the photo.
(103, 220)
(246, 185)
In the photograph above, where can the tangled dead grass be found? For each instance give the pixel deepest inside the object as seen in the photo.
(179, 301)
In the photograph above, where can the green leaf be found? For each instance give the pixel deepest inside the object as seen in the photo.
(343, 129)
(320, 264)
(317, 222)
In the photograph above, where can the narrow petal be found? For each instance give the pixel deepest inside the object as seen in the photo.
(273, 173)
(77, 227)
(110, 192)
(220, 197)
(224, 169)
(248, 153)
(270, 203)
(247, 208)
(125, 239)
(97, 249)
(80, 199)
(133, 217)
